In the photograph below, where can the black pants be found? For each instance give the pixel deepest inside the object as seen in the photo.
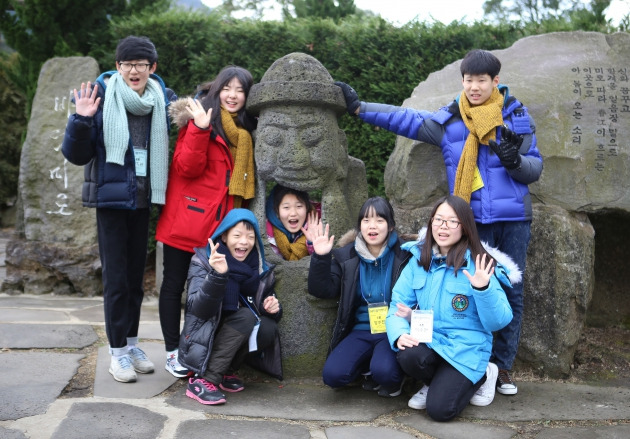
(122, 245)
(230, 346)
(176, 263)
(449, 390)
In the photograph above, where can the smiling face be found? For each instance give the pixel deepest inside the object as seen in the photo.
(478, 88)
(135, 80)
(375, 231)
(292, 213)
(232, 96)
(444, 236)
(240, 240)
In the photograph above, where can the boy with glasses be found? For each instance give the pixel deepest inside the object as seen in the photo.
(488, 142)
(120, 133)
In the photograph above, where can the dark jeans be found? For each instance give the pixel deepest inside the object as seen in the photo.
(122, 245)
(176, 263)
(449, 390)
(512, 238)
(359, 352)
(230, 346)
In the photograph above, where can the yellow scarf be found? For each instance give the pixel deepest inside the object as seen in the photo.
(481, 121)
(242, 182)
(290, 251)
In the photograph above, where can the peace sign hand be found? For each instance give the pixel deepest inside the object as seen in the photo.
(217, 260)
(200, 116)
(483, 271)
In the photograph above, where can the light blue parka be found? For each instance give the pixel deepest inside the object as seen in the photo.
(463, 318)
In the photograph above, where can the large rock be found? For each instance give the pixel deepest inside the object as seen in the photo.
(56, 249)
(578, 92)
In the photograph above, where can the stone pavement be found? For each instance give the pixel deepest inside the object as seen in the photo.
(45, 339)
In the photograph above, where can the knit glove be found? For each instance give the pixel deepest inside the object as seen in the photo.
(508, 149)
(351, 96)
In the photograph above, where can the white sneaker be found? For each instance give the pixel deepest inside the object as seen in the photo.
(122, 369)
(140, 361)
(485, 394)
(173, 366)
(419, 400)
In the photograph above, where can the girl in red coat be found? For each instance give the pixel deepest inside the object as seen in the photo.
(211, 173)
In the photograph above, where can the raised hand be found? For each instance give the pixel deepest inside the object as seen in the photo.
(322, 244)
(200, 116)
(86, 102)
(312, 220)
(217, 260)
(508, 149)
(483, 271)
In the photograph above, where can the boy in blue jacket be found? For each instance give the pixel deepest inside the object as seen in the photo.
(488, 143)
(120, 133)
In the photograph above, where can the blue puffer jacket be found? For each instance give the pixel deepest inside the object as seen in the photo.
(463, 318)
(106, 184)
(504, 196)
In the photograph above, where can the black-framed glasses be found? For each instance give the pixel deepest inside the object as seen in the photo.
(127, 66)
(450, 223)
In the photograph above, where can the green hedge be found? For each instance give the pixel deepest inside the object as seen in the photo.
(382, 62)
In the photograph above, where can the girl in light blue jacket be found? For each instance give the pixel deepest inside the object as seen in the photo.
(445, 306)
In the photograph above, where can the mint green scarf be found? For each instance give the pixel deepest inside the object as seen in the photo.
(120, 98)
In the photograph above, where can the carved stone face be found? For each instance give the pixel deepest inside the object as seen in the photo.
(300, 147)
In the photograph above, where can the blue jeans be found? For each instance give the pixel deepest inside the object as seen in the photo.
(359, 352)
(512, 238)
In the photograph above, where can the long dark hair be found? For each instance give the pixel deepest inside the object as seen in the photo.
(209, 94)
(469, 240)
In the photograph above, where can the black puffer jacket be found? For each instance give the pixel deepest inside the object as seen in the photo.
(206, 289)
(337, 275)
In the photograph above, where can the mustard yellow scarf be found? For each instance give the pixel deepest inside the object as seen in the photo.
(290, 251)
(481, 121)
(242, 182)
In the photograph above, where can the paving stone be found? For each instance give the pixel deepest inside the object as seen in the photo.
(255, 429)
(600, 432)
(29, 336)
(105, 420)
(362, 432)
(148, 384)
(455, 429)
(31, 381)
(299, 402)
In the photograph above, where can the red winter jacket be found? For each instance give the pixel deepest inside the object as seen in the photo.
(197, 193)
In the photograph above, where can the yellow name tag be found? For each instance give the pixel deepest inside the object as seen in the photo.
(477, 181)
(377, 313)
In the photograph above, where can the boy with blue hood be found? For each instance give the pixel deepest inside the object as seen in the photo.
(231, 311)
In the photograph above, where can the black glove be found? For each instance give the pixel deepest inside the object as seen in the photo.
(508, 149)
(351, 96)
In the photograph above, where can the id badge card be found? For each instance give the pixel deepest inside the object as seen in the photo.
(253, 346)
(377, 313)
(477, 181)
(422, 325)
(141, 156)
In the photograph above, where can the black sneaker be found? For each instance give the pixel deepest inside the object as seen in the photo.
(505, 385)
(231, 383)
(369, 383)
(204, 391)
(390, 393)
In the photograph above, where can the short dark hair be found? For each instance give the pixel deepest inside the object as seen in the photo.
(281, 191)
(381, 207)
(132, 47)
(480, 62)
(469, 240)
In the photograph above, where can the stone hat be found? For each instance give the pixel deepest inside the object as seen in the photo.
(296, 79)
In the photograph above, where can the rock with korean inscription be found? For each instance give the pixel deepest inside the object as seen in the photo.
(56, 249)
(576, 86)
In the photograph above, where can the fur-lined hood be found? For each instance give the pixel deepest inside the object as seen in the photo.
(178, 112)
